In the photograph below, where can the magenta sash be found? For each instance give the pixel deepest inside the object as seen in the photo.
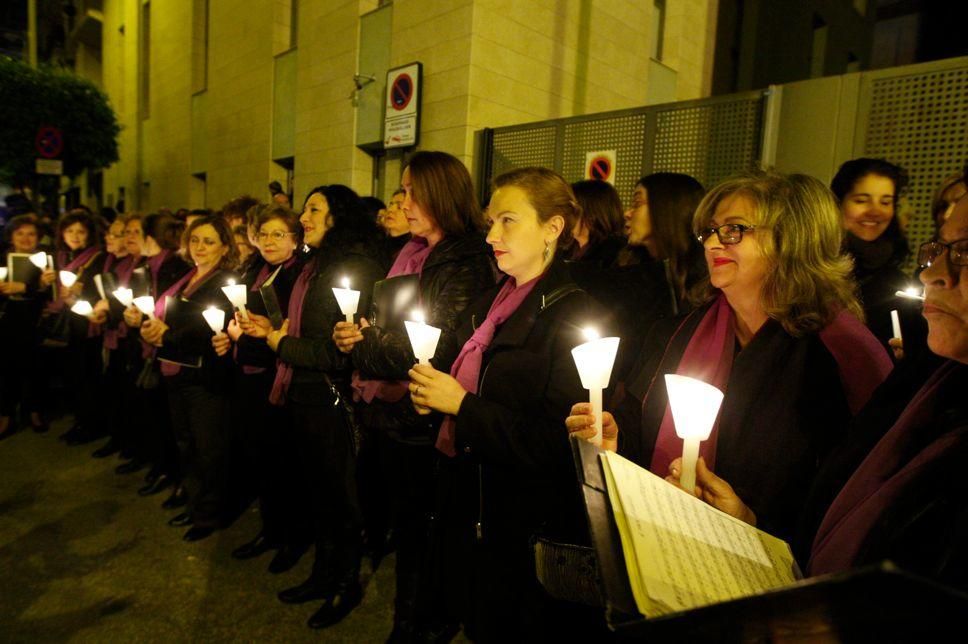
(280, 386)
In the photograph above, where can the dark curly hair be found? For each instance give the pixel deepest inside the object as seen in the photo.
(77, 216)
(350, 222)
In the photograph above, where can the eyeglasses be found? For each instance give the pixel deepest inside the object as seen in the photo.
(728, 234)
(957, 252)
(275, 235)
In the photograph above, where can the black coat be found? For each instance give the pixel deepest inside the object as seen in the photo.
(313, 355)
(784, 410)
(254, 352)
(458, 270)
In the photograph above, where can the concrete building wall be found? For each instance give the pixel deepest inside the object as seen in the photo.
(487, 63)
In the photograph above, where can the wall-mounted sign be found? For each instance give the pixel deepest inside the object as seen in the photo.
(401, 120)
(49, 142)
(48, 166)
(600, 165)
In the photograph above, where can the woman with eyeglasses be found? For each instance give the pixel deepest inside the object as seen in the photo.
(262, 429)
(780, 334)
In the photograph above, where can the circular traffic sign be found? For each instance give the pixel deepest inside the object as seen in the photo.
(49, 142)
(600, 168)
(401, 92)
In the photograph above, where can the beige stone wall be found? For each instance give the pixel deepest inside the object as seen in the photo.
(487, 63)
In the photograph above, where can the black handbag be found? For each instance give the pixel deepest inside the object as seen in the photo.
(348, 415)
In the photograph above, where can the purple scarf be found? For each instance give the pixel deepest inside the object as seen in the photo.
(467, 367)
(887, 471)
(80, 262)
(154, 266)
(260, 279)
(410, 261)
(280, 386)
(123, 271)
(861, 363)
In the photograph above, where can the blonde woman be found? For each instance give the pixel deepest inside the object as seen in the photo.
(781, 334)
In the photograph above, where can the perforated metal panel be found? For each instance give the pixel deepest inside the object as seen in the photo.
(920, 122)
(624, 134)
(709, 139)
(709, 142)
(518, 148)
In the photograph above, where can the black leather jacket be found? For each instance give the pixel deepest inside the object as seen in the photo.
(458, 270)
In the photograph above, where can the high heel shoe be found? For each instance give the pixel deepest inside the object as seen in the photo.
(337, 605)
(177, 499)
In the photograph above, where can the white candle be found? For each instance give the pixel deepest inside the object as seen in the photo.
(124, 295)
(99, 283)
(238, 296)
(423, 337)
(3, 273)
(215, 318)
(911, 293)
(896, 325)
(594, 361)
(82, 307)
(145, 304)
(50, 262)
(39, 260)
(347, 299)
(68, 278)
(695, 405)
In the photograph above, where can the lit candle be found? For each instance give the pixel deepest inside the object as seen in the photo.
(695, 405)
(423, 337)
(145, 304)
(124, 295)
(39, 260)
(68, 278)
(3, 273)
(215, 318)
(238, 296)
(82, 307)
(347, 298)
(911, 293)
(595, 360)
(896, 325)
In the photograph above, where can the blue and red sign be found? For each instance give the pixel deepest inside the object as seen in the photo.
(49, 142)
(401, 92)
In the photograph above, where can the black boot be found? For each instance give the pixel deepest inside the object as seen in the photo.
(337, 605)
(257, 546)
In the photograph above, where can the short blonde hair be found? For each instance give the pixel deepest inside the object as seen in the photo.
(810, 278)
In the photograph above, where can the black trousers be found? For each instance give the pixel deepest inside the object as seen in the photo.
(198, 421)
(84, 377)
(263, 438)
(22, 373)
(323, 450)
(372, 467)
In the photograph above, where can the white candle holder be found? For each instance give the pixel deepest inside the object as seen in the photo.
(215, 318)
(594, 360)
(145, 304)
(347, 298)
(125, 296)
(695, 405)
(67, 278)
(3, 273)
(238, 295)
(82, 307)
(39, 260)
(896, 324)
(423, 337)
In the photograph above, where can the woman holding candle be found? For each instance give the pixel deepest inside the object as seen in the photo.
(264, 430)
(504, 400)
(156, 239)
(780, 335)
(310, 381)
(448, 263)
(196, 378)
(21, 303)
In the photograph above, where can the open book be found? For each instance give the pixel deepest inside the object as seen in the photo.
(681, 553)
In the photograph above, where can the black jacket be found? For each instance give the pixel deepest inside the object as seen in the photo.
(190, 336)
(313, 355)
(514, 427)
(458, 270)
(254, 352)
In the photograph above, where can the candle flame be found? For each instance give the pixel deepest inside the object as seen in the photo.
(418, 316)
(231, 282)
(345, 282)
(591, 333)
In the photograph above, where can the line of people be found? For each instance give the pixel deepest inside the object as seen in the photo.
(460, 465)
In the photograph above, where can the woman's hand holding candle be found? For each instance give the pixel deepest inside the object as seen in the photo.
(133, 316)
(48, 277)
(221, 343)
(12, 288)
(435, 390)
(256, 326)
(153, 330)
(346, 335)
(714, 491)
(234, 330)
(275, 336)
(581, 423)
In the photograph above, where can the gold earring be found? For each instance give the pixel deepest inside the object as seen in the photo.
(547, 250)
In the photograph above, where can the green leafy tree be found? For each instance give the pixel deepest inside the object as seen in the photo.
(31, 98)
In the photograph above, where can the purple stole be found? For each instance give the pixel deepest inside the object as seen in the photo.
(280, 386)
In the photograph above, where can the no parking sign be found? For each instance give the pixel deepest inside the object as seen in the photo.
(600, 166)
(402, 110)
